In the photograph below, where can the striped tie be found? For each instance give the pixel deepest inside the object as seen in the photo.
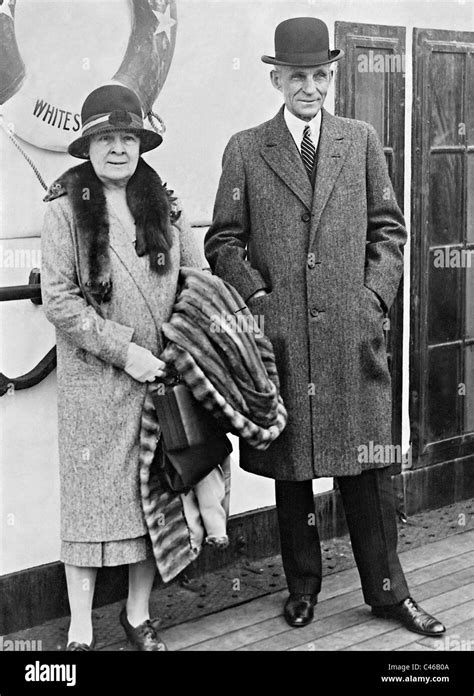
(308, 151)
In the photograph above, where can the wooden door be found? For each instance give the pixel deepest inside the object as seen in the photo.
(442, 278)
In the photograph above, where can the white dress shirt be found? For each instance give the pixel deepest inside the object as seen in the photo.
(296, 127)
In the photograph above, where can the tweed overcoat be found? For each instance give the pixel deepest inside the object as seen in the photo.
(331, 262)
(99, 404)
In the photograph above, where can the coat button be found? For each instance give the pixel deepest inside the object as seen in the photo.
(306, 217)
(314, 312)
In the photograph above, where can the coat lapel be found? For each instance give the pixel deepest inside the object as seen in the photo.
(281, 154)
(334, 142)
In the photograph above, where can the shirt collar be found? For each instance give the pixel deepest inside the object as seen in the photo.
(296, 125)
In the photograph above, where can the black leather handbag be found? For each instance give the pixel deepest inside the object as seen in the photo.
(193, 442)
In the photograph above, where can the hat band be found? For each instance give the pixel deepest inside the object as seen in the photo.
(300, 58)
(134, 122)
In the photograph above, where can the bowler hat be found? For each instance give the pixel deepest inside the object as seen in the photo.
(303, 42)
(112, 108)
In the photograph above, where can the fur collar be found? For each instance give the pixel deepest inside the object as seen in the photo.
(153, 209)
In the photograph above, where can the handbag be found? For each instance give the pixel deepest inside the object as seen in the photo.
(193, 443)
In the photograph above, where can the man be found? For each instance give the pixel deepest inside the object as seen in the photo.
(306, 227)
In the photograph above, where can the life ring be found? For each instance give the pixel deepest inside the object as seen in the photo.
(44, 108)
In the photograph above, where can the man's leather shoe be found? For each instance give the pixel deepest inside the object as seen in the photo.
(299, 609)
(143, 637)
(413, 617)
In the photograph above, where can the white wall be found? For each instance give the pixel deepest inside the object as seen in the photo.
(217, 85)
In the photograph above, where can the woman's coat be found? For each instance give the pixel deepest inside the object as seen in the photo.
(99, 404)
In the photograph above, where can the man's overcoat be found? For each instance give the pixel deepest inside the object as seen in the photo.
(331, 262)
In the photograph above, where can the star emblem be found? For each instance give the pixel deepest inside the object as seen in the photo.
(165, 22)
(5, 9)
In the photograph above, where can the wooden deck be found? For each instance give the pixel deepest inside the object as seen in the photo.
(440, 577)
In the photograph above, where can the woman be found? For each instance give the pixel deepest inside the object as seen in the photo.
(112, 245)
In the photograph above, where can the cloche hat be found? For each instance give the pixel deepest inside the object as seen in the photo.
(112, 108)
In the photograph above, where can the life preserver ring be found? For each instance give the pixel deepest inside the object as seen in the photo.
(44, 108)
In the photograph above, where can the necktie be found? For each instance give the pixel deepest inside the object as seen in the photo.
(308, 151)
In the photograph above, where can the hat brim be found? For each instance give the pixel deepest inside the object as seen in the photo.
(307, 62)
(148, 140)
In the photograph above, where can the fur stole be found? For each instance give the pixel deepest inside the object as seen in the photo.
(153, 209)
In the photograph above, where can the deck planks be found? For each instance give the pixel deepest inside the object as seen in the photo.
(441, 575)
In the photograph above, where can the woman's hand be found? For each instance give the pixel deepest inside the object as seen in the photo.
(142, 365)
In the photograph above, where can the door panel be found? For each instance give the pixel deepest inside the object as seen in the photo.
(443, 372)
(445, 74)
(444, 311)
(445, 198)
(469, 411)
(371, 98)
(470, 194)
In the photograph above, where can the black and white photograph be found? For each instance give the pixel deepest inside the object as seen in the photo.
(237, 338)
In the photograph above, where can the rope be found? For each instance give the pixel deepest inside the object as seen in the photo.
(161, 129)
(27, 157)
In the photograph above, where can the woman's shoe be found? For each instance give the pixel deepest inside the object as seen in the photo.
(80, 647)
(143, 637)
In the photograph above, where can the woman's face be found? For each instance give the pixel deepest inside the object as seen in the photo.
(114, 156)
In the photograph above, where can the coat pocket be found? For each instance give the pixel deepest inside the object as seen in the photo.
(373, 299)
(373, 352)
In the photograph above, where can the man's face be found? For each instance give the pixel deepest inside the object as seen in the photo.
(304, 89)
